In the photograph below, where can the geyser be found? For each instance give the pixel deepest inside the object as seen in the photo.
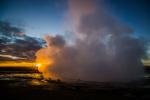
(104, 48)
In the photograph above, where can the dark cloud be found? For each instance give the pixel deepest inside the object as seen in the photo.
(7, 29)
(14, 42)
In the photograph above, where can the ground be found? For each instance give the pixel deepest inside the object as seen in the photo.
(26, 85)
(39, 89)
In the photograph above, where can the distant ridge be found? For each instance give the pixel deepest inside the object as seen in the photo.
(19, 69)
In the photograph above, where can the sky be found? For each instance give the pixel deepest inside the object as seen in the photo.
(37, 16)
(40, 17)
(133, 12)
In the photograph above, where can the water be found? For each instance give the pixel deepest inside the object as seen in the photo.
(20, 76)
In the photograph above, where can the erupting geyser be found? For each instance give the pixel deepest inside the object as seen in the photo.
(104, 49)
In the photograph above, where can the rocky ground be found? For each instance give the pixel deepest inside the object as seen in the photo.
(25, 87)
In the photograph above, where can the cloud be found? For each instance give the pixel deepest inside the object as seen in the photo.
(14, 42)
(11, 57)
(6, 28)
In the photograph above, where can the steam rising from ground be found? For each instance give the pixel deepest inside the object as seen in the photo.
(104, 49)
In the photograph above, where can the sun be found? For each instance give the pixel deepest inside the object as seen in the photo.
(38, 64)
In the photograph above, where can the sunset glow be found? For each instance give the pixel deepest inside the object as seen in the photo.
(38, 65)
(17, 64)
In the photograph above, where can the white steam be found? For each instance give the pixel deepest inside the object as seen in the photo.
(104, 50)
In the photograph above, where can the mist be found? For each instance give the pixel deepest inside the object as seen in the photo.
(104, 49)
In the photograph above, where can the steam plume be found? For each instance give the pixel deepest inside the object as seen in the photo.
(104, 50)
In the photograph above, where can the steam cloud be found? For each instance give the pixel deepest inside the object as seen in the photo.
(104, 50)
